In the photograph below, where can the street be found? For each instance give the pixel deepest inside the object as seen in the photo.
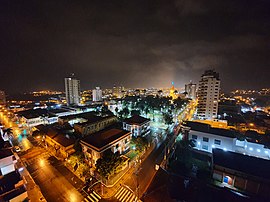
(56, 182)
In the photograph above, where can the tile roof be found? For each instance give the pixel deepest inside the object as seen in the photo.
(136, 120)
(103, 138)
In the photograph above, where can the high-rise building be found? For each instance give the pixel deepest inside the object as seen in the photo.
(118, 91)
(190, 89)
(72, 88)
(2, 98)
(97, 94)
(208, 95)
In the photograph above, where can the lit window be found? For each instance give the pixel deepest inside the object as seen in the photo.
(205, 147)
(205, 139)
(218, 142)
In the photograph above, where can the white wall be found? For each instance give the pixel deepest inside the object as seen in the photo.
(229, 144)
(226, 143)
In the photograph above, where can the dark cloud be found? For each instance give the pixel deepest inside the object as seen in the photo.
(133, 43)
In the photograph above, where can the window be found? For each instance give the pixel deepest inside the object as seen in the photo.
(194, 137)
(116, 146)
(205, 139)
(218, 142)
(205, 147)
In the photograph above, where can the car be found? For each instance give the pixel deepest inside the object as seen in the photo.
(17, 148)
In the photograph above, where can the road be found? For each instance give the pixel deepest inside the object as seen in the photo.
(56, 182)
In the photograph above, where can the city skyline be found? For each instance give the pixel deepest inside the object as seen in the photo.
(136, 44)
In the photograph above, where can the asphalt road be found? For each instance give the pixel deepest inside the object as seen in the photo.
(52, 182)
(146, 171)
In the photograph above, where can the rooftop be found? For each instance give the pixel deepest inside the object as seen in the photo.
(33, 113)
(103, 138)
(136, 120)
(60, 137)
(206, 128)
(5, 153)
(8, 181)
(242, 163)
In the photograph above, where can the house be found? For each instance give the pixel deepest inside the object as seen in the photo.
(34, 117)
(243, 172)
(57, 137)
(11, 183)
(113, 139)
(61, 143)
(7, 161)
(12, 187)
(137, 125)
(207, 138)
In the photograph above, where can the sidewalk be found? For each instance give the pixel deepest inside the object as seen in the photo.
(110, 191)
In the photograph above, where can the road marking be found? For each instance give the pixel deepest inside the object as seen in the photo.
(93, 196)
(86, 199)
(127, 196)
(90, 199)
(120, 190)
(132, 199)
(120, 199)
(97, 195)
(130, 196)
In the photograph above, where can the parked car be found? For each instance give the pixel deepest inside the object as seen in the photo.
(17, 148)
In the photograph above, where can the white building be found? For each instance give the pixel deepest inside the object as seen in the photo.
(206, 138)
(137, 125)
(33, 117)
(72, 89)
(208, 95)
(190, 89)
(95, 145)
(7, 161)
(97, 94)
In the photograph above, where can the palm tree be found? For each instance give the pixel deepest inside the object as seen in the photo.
(8, 131)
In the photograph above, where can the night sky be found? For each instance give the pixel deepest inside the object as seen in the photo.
(140, 43)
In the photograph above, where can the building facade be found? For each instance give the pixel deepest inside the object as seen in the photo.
(97, 94)
(207, 138)
(95, 145)
(94, 124)
(72, 89)
(137, 125)
(190, 89)
(246, 173)
(2, 98)
(208, 95)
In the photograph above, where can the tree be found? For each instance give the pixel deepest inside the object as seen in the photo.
(168, 119)
(107, 165)
(139, 142)
(184, 147)
(135, 112)
(125, 112)
(8, 131)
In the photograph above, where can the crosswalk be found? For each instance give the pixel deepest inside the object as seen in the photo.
(126, 195)
(92, 197)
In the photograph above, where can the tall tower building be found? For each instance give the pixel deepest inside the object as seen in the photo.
(208, 95)
(2, 98)
(190, 89)
(118, 91)
(72, 89)
(97, 94)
